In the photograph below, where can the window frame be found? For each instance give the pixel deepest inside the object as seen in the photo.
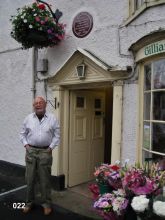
(133, 12)
(142, 91)
(138, 4)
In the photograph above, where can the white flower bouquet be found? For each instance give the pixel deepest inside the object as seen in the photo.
(159, 208)
(140, 203)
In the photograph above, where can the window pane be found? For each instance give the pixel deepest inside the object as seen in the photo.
(147, 77)
(97, 103)
(158, 137)
(146, 136)
(147, 102)
(80, 101)
(159, 106)
(159, 74)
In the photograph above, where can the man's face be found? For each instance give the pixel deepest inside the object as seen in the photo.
(39, 106)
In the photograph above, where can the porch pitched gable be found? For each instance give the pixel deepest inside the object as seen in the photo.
(95, 70)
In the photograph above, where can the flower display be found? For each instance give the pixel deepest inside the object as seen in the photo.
(34, 26)
(133, 186)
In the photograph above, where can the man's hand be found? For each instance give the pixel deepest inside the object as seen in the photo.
(27, 146)
(49, 150)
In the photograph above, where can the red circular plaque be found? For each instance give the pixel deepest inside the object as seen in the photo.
(82, 24)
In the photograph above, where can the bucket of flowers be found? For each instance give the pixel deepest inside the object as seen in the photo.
(35, 26)
(102, 174)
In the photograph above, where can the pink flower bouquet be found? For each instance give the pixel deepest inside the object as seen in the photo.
(138, 183)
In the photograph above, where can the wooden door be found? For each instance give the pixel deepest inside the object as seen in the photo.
(86, 134)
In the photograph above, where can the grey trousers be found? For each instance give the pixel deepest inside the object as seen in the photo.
(38, 170)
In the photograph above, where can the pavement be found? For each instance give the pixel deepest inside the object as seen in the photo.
(67, 205)
(72, 203)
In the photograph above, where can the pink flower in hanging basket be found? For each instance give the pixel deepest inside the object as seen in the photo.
(37, 18)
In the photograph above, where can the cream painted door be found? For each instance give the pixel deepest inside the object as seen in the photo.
(86, 134)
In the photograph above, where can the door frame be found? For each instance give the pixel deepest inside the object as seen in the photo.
(64, 100)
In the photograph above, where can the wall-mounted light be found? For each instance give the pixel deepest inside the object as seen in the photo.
(80, 69)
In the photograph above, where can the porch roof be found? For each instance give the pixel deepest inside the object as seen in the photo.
(109, 72)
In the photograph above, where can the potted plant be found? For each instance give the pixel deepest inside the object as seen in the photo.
(34, 26)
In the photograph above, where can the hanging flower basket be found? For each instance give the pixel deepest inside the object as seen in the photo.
(34, 26)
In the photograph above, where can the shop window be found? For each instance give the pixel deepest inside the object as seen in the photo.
(154, 110)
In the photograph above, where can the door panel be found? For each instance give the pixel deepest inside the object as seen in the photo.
(97, 129)
(80, 127)
(86, 145)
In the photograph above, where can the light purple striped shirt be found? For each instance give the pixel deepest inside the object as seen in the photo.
(40, 133)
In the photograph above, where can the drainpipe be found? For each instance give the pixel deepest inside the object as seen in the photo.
(34, 68)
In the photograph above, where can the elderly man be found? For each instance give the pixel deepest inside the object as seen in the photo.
(40, 134)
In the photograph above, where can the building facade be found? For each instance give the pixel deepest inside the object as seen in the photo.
(115, 111)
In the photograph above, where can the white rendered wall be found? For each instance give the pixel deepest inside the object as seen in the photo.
(152, 19)
(129, 121)
(15, 99)
(15, 86)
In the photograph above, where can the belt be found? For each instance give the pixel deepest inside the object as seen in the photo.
(44, 147)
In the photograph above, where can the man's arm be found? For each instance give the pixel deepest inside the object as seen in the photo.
(23, 134)
(56, 135)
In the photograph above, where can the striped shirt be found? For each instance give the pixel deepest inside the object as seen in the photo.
(44, 132)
